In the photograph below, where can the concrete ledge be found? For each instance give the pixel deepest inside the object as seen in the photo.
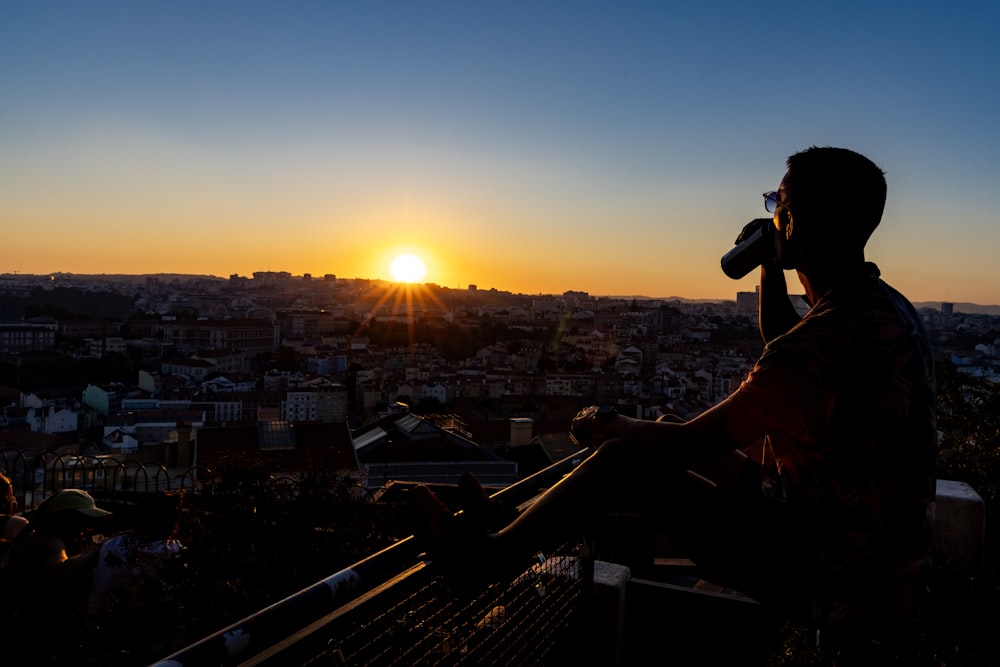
(960, 526)
(610, 586)
(685, 626)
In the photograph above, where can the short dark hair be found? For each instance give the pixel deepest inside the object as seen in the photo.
(841, 190)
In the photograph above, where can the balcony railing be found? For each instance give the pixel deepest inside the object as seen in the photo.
(392, 608)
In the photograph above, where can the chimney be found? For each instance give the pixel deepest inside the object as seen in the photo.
(521, 431)
(185, 449)
(178, 449)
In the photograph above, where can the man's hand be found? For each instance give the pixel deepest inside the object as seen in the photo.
(750, 228)
(590, 424)
(773, 257)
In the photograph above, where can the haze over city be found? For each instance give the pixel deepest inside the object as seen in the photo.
(610, 148)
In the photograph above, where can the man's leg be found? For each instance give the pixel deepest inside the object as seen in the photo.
(616, 474)
(741, 539)
(568, 509)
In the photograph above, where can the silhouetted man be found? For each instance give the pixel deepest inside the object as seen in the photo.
(815, 480)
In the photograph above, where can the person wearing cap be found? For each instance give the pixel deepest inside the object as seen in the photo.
(51, 545)
(48, 568)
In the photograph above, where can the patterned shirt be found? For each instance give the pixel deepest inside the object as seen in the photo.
(845, 403)
(125, 560)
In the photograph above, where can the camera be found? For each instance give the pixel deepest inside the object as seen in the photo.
(755, 245)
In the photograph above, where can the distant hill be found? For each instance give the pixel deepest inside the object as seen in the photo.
(126, 277)
(958, 307)
(962, 307)
(641, 297)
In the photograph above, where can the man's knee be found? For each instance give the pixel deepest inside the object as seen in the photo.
(615, 452)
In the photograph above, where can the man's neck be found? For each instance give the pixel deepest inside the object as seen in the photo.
(823, 278)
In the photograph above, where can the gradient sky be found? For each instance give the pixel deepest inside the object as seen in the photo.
(537, 147)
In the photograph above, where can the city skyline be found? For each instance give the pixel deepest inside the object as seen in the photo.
(400, 295)
(615, 150)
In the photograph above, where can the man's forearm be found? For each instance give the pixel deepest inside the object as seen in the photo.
(776, 313)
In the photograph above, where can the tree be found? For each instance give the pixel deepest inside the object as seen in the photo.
(969, 423)
(287, 359)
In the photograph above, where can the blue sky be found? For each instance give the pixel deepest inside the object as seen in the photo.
(615, 148)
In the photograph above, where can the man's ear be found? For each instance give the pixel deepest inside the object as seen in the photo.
(782, 240)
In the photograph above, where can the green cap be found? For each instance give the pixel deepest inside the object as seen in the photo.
(76, 500)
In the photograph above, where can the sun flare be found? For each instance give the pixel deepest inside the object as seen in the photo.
(407, 268)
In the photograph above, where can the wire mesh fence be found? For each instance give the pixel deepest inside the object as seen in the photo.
(536, 618)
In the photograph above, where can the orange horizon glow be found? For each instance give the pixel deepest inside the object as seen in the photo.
(546, 263)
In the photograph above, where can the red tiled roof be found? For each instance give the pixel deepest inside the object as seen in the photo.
(318, 445)
(25, 439)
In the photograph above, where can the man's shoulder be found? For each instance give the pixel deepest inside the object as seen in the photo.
(868, 299)
(849, 322)
(12, 525)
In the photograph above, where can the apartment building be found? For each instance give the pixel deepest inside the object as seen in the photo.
(16, 338)
(250, 336)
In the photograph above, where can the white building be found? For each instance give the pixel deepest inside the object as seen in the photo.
(300, 406)
(50, 419)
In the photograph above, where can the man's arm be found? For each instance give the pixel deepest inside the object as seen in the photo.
(50, 554)
(776, 315)
(670, 444)
(625, 443)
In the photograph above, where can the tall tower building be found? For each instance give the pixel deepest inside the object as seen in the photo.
(746, 302)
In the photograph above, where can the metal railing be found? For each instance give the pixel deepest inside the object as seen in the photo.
(37, 475)
(391, 608)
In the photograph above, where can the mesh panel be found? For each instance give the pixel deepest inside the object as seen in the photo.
(528, 620)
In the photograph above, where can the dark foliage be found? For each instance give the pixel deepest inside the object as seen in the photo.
(43, 370)
(249, 540)
(69, 303)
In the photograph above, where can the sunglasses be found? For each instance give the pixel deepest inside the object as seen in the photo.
(772, 201)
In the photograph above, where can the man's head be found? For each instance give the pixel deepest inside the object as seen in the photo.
(72, 500)
(68, 511)
(832, 200)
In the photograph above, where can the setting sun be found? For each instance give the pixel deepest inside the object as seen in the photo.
(407, 268)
